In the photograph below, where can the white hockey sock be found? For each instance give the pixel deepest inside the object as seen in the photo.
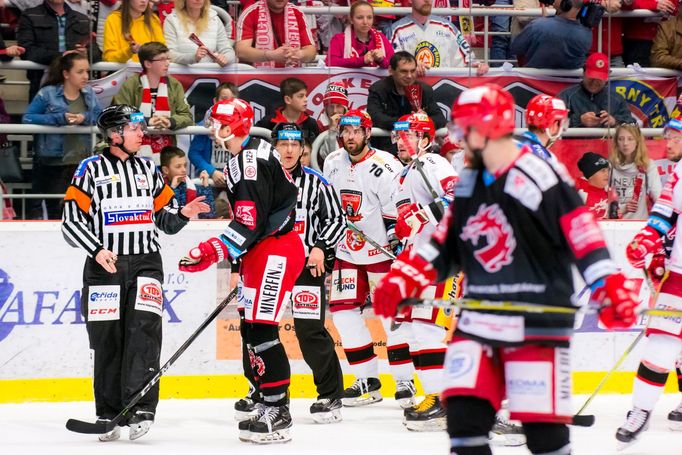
(357, 343)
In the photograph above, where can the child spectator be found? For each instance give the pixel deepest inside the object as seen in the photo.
(633, 175)
(295, 97)
(128, 28)
(360, 44)
(207, 155)
(64, 99)
(593, 188)
(336, 104)
(159, 97)
(196, 17)
(174, 171)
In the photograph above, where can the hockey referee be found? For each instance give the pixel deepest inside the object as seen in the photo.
(113, 209)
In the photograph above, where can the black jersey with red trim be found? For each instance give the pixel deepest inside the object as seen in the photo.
(262, 195)
(516, 236)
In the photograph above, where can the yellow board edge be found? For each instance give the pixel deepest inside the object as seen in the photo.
(235, 386)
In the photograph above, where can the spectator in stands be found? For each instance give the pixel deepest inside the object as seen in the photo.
(174, 171)
(159, 97)
(65, 99)
(559, 42)
(639, 33)
(360, 44)
(633, 175)
(128, 28)
(336, 104)
(7, 53)
(295, 98)
(433, 40)
(593, 188)
(501, 44)
(398, 94)
(592, 103)
(196, 17)
(274, 33)
(611, 34)
(47, 31)
(207, 155)
(667, 48)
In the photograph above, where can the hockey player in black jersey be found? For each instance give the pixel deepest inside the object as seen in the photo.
(515, 228)
(263, 197)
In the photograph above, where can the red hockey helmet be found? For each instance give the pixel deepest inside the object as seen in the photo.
(489, 108)
(543, 110)
(417, 121)
(235, 113)
(356, 117)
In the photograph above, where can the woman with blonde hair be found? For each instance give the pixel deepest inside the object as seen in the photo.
(128, 28)
(209, 41)
(360, 44)
(633, 175)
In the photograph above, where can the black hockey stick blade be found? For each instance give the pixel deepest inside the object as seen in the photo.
(79, 426)
(583, 420)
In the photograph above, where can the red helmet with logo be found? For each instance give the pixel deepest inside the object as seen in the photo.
(356, 117)
(543, 110)
(417, 121)
(489, 108)
(235, 113)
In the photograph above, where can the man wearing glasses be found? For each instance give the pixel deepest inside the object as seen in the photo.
(160, 98)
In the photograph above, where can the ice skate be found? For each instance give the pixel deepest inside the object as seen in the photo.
(675, 418)
(244, 425)
(364, 391)
(404, 394)
(636, 422)
(244, 409)
(272, 426)
(326, 410)
(139, 424)
(506, 433)
(428, 415)
(112, 435)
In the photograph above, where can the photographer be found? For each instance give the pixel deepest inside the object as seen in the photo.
(570, 39)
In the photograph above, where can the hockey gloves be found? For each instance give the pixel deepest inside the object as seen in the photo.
(618, 302)
(656, 269)
(410, 274)
(410, 218)
(201, 257)
(647, 241)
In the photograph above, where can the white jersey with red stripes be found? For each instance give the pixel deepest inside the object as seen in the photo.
(437, 43)
(365, 190)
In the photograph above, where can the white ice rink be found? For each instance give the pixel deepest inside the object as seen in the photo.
(207, 427)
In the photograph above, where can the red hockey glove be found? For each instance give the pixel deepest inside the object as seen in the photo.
(408, 277)
(201, 257)
(645, 242)
(410, 218)
(656, 269)
(618, 302)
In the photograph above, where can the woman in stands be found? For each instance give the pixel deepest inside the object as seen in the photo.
(64, 99)
(360, 44)
(633, 175)
(196, 17)
(128, 28)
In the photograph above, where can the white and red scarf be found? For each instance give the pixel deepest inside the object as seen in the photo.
(350, 52)
(153, 143)
(265, 36)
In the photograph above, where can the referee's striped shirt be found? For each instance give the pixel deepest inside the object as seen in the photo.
(320, 221)
(118, 205)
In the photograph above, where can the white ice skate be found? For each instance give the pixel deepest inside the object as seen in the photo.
(637, 421)
(675, 418)
(272, 427)
(139, 424)
(112, 435)
(326, 410)
(364, 391)
(404, 394)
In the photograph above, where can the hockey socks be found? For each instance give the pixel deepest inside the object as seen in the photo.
(357, 343)
(647, 388)
(269, 363)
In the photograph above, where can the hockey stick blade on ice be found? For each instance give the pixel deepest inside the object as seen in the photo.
(78, 426)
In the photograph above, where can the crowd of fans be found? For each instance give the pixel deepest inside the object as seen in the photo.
(275, 33)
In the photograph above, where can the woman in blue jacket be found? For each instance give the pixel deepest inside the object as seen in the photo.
(65, 99)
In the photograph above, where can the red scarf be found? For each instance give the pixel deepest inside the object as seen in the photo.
(349, 51)
(153, 143)
(265, 36)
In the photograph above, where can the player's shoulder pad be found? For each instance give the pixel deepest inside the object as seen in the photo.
(83, 165)
(335, 155)
(387, 160)
(311, 171)
(538, 169)
(467, 182)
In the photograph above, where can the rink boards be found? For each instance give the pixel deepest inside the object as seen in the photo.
(44, 354)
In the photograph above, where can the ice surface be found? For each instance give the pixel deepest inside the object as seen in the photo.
(207, 427)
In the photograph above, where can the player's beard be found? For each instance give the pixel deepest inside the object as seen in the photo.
(356, 148)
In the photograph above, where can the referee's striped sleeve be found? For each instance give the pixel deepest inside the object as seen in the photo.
(76, 220)
(331, 216)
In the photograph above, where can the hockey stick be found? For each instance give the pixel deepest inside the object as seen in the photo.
(468, 304)
(79, 426)
(369, 240)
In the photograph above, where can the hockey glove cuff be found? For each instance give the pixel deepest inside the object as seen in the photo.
(618, 301)
(410, 274)
(645, 242)
(204, 255)
(411, 220)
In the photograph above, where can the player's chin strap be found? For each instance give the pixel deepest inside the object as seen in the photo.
(222, 141)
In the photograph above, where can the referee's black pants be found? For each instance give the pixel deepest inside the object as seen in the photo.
(127, 345)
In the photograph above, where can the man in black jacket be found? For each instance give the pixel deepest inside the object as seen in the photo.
(47, 31)
(399, 94)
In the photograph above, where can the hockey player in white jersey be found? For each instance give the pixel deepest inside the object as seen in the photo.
(364, 179)
(425, 189)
